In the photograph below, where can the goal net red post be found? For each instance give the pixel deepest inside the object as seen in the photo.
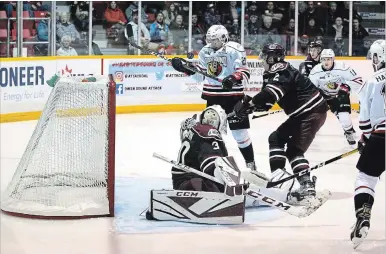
(67, 169)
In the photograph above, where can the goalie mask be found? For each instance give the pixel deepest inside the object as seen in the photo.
(215, 116)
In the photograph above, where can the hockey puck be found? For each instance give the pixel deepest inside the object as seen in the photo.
(190, 55)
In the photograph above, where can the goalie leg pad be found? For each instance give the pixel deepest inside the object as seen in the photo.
(196, 207)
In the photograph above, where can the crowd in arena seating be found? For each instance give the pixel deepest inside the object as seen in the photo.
(164, 26)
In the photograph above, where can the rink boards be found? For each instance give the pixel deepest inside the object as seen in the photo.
(143, 84)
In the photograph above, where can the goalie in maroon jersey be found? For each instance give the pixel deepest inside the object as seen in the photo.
(201, 144)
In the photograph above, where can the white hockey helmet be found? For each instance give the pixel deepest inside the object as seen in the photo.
(327, 53)
(217, 36)
(377, 53)
(327, 57)
(215, 116)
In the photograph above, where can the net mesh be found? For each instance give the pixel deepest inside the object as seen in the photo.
(64, 169)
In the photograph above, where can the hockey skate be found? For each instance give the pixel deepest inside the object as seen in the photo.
(350, 136)
(361, 228)
(305, 195)
(251, 166)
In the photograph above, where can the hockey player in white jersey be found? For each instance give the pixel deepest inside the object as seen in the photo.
(371, 164)
(335, 79)
(227, 61)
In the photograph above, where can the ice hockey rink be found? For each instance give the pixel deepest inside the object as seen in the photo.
(265, 231)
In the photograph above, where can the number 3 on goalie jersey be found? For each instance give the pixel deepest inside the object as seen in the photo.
(185, 146)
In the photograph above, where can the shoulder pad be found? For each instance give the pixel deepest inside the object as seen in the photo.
(317, 68)
(207, 131)
(340, 65)
(236, 46)
(278, 67)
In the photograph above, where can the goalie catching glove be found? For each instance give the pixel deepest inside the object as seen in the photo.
(178, 65)
(232, 80)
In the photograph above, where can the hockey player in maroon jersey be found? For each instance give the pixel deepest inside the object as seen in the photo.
(201, 144)
(313, 58)
(305, 107)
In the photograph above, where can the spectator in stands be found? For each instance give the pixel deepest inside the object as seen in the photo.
(134, 6)
(179, 31)
(116, 21)
(302, 19)
(65, 28)
(345, 14)
(114, 15)
(197, 26)
(274, 14)
(332, 14)
(42, 29)
(170, 14)
(338, 30)
(359, 33)
(184, 11)
(11, 6)
(303, 45)
(66, 49)
(290, 28)
(233, 37)
(253, 25)
(339, 48)
(79, 15)
(210, 16)
(313, 12)
(42, 35)
(268, 33)
(233, 13)
(159, 31)
(312, 30)
(145, 34)
(252, 10)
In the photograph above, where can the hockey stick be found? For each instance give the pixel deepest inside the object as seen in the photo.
(251, 176)
(266, 114)
(298, 211)
(132, 43)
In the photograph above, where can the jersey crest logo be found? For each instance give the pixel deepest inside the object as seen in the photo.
(214, 68)
(278, 67)
(214, 133)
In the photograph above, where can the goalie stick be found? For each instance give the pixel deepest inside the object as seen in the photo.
(132, 43)
(255, 179)
(298, 211)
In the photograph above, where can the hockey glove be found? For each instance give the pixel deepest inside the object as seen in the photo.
(232, 80)
(178, 65)
(243, 108)
(362, 143)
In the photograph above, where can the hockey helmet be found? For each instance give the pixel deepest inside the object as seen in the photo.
(377, 54)
(327, 58)
(314, 49)
(217, 36)
(215, 116)
(272, 53)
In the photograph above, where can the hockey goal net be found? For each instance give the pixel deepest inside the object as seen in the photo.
(67, 169)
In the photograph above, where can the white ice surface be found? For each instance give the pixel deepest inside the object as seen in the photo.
(138, 136)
